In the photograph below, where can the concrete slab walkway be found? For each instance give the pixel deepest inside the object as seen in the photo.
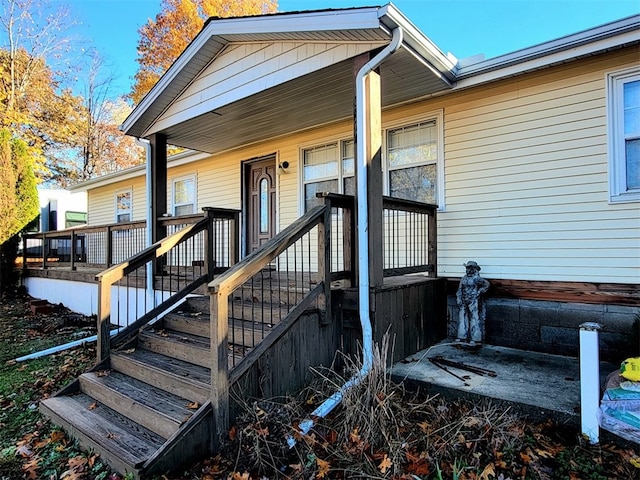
(541, 384)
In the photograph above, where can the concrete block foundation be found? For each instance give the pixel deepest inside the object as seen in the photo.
(553, 327)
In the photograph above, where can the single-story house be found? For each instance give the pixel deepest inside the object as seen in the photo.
(530, 162)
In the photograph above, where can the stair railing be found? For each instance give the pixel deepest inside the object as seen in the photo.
(177, 265)
(289, 274)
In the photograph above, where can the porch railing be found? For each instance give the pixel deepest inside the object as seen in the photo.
(99, 246)
(409, 237)
(267, 292)
(177, 265)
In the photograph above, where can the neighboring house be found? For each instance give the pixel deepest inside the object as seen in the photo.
(60, 209)
(531, 159)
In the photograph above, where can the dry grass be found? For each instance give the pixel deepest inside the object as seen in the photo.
(383, 431)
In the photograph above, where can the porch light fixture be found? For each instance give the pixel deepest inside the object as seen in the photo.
(284, 167)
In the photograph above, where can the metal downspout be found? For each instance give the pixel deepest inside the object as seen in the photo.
(362, 236)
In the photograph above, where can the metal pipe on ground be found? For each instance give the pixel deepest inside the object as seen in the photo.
(61, 348)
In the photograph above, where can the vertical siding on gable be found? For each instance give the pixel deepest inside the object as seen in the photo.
(244, 69)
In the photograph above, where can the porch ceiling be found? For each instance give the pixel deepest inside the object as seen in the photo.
(314, 99)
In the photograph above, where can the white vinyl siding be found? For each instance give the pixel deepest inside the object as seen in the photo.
(244, 69)
(527, 184)
(623, 104)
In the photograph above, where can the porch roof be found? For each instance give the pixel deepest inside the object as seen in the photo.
(317, 87)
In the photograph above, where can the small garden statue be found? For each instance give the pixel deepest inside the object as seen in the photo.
(472, 312)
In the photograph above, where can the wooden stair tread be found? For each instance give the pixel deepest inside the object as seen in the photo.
(243, 332)
(159, 411)
(257, 312)
(268, 313)
(169, 335)
(185, 370)
(179, 345)
(122, 443)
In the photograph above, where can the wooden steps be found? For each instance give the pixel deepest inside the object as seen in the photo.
(124, 444)
(153, 408)
(153, 392)
(133, 409)
(184, 379)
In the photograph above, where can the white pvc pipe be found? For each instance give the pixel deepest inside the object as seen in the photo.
(589, 380)
(362, 234)
(60, 348)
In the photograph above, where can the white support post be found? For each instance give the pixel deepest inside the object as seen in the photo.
(589, 380)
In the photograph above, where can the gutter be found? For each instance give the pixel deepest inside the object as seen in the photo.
(362, 238)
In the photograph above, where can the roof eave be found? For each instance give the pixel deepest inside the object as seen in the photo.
(319, 20)
(415, 40)
(176, 160)
(587, 42)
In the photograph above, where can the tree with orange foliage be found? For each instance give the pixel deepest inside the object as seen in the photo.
(163, 40)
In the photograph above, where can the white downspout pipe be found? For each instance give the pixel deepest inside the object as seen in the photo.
(362, 234)
(143, 142)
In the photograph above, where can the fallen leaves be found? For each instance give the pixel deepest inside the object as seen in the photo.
(385, 464)
(489, 471)
(323, 468)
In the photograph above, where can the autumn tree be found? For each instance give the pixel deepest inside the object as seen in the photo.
(31, 100)
(162, 40)
(71, 137)
(94, 145)
(18, 202)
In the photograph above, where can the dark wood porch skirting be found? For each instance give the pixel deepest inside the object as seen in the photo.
(412, 308)
(546, 316)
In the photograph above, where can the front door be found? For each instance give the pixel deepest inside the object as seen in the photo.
(260, 202)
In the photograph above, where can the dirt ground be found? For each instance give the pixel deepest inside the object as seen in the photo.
(380, 431)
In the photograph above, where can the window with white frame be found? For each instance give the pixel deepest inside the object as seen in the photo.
(184, 195)
(413, 166)
(123, 206)
(624, 135)
(412, 162)
(328, 168)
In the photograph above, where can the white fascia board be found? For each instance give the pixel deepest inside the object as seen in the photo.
(137, 171)
(325, 20)
(392, 18)
(311, 21)
(192, 49)
(546, 61)
(563, 49)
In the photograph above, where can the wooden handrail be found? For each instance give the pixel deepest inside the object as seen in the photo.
(117, 272)
(113, 274)
(92, 229)
(221, 287)
(409, 205)
(257, 260)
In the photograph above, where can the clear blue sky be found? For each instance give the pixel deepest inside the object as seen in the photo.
(462, 27)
